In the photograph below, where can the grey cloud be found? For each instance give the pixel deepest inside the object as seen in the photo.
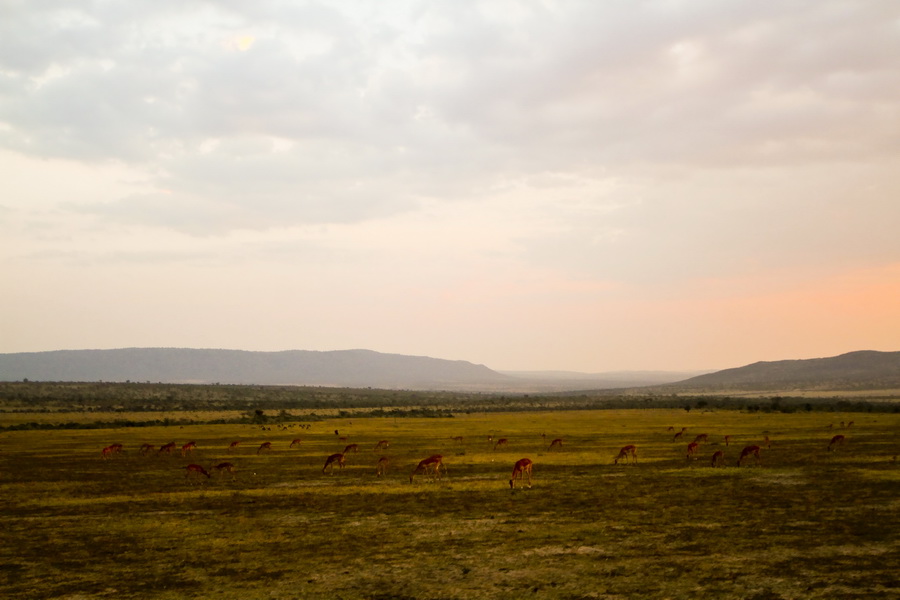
(381, 115)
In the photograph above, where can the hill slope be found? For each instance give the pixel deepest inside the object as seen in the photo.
(852, 371)
(345, 368)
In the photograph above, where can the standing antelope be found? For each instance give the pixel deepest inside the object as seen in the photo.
(501, 442)
(147, 449)
(111, 450)
(296, 442)
(188, 448)
(331, 461)
(520, 469)
(749, 451)
(432, 465)
(727, 439)
(167, 448)
(382, 444)
(381, 466)
(351, 448)
(222, 467)
(701, 438)
(692, 450)
(718, 458)
(625, 452)
(264, 446)
(557, 443)
(234, 445)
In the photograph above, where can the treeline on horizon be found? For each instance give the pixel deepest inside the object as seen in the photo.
(272, 404)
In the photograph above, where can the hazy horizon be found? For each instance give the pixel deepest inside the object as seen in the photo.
(531, 186)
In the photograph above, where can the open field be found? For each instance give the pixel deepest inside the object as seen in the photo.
(804, 523)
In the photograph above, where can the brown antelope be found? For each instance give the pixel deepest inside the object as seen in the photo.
(234, 445)
(749, 451)
(458, 439)
(557, 443)
(703, 437)
(296, 442)
(767, 442)
(188, 448)
(718, 458)
(670, 428)
(501, 442)
(167, 448)
(625, 452)
(351, 448)
(692, 450)
(264, 446)
(521, 469)
(850, 424)
(381, 445)
(331, 461)
(381, 466)
(111, 450)
(431, 465)
(677, 436)
(224, 467)
(195, 471)
(147, 449)
(836, 441)
(727, 439)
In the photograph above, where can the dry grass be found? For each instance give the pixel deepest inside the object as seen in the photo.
(806, 523)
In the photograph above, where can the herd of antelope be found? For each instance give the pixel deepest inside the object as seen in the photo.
(433, 467)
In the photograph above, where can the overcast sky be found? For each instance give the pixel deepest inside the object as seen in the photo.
(591, 186)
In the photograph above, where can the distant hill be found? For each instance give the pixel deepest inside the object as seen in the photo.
(343, 368)
(863, 370)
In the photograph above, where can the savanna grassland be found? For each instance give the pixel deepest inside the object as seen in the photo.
(803, 523)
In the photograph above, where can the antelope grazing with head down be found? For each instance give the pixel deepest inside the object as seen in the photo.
(431, 465)
(627, 451)
(521, 469)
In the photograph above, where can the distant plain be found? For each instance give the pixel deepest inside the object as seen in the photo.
(804, 523)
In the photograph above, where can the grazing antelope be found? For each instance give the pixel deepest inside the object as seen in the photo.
(501, 442)
(521, 469)
(195, 471)
(222, 467)
(677, 436)
(692, 450)
(850, 424)
(330, 462)
(749, 451)
(718, 458)
(147, 449)
(557, 443)
(351, 448)
(167, 448)
(264, 446)
(111, 450)
(625, 452)
(670, 428)
(296, 442)
(431, 465)
(188, 448)
(381, 466)
(703, 437)
(234, 445)
(381, 445)
(836, 441)
(727, 439)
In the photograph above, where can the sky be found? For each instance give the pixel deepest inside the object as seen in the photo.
(530, 185)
